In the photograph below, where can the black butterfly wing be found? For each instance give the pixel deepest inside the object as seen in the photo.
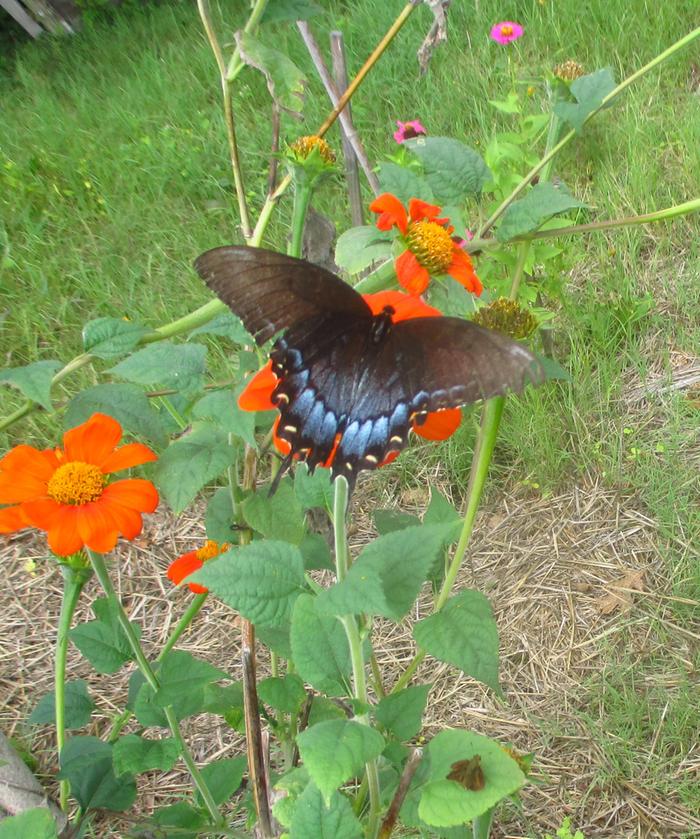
(271, 292)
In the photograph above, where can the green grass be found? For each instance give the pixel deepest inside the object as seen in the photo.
(114, 176)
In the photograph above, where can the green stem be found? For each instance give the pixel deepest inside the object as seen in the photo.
(236, 64)
(342, 562)
(100, 569)
(481, 825)
(539, 167)
(523, 250)
(302, 198)
(378, 280)
(73, 581)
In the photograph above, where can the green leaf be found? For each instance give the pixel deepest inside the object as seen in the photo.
(509, 105)
(359, 247)
(389, 521)
(285, 81)
(323, 709)
(178, 366)
(404, 183)
(86, 762)
(463, 633)
(111, 337)
(320, 648)
(128, 405)
(102, 641)
(223, 777)
(223, 699)
(279, 10)
(316, 553)
(313, 490)
(552, 369)
(312, 817)
(402, 713)
(276, 638)
(284, 693)
(440, 511)
(133, 754)
(541, 203)
(446, 803)
(261, 581)
(33, 380)
(183, 816)
(181, 673)
(191, 462)
(589, 92)
(37, 823)
(336, 750)
(279, 516)
(219, 519)
(221, 407)
(226, 325)
(142, 702)
(454, 171)
(386, 577)
(77, 702)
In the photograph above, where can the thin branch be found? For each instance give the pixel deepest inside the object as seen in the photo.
(392, 813)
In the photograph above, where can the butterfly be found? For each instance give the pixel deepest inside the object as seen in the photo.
(468, 773)
(351, 383)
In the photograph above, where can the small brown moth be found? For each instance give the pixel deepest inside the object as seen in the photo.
(468, 773)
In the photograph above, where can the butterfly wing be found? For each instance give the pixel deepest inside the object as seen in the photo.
(271, 292)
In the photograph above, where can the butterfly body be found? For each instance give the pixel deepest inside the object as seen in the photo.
(352, 383)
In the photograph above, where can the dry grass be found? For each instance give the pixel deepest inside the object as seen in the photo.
(549, 567)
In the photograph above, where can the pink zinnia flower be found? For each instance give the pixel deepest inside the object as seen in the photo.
(408, 130)
(506, 31)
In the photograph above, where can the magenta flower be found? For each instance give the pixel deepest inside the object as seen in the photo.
(506, 31)
(408, 130)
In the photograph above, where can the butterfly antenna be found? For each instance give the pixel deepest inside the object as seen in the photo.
(284, 467)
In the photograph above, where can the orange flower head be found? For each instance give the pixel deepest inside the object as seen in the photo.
(192, 561)
(430, 247)
(66, 492)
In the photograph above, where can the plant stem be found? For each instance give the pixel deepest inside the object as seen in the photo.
(302, 198)
(100, 569)
(523, 250)
(205, 14)
(73, 581)
(236, 65)
(340, 506)
(387, 827)
(674, 48)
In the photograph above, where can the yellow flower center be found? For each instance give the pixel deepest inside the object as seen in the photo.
(211, 549)
(506, 30)
(431, 244)
(303, 146)
(76, 483)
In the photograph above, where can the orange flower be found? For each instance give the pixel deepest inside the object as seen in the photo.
(192, 561)
(65, 491)
(430, 246)
(439, 425)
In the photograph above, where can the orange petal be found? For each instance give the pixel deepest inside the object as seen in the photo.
(419, 210)
(125, 519)
(132, 454)
(281, 445)
(439, 425)
(96, 527)
(12, 519)
(42, 512)
(24, 473)
(93, 441)
(63, 537)
(182, 567)
(411, 274)
(462, 270)
(134, 493)
(392, 212)
(257, 394)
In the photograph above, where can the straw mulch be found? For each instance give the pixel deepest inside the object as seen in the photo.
(575, 581)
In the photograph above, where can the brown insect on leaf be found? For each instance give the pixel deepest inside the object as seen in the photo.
(620, 593)
(468, 773)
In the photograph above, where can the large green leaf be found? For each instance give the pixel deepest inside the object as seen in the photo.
(453, 170)
(283, 693)
(190, 823)
(103, 641)
(285, 81)
(78, 706)
(387, 576)
(178, 366)
(541, 203)
(261, 581)
(32, 824)
(277, 516)
(219, 518)
(313, 818)
(446, 803)
(388, 521)
(403, 182)
(86, 762)
(463, 633)
(181, 673)
(320, 648)
(402, 713)
(358, 247)
(33, 380)
(226, 325)
(336, 750)
(589, 92)
(190, 463)
(133, 754)
(313, 490)
(128, 405)
(221, 408)
(141, 701)
(111, 337)
(223, 777)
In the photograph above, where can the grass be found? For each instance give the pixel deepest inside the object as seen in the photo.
(114, 176)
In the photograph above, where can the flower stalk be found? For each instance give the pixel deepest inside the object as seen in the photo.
(302, 199)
